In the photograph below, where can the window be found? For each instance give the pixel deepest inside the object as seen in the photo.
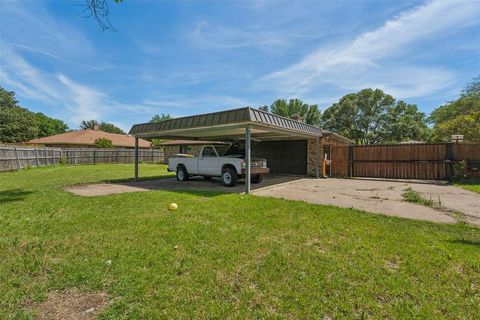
(208, 152)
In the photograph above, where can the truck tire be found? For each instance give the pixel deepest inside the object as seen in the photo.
(256, 178)
(229, 177)
(182, 174)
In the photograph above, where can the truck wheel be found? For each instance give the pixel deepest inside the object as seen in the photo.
(229, 177)
(256, 178)
(182, 174)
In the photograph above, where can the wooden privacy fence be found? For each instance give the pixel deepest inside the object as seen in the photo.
(16, 157)
(402, 161)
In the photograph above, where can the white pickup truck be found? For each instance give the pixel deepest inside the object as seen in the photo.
(225, 162)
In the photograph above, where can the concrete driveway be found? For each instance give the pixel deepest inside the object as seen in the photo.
(378, 196)
(384, 197)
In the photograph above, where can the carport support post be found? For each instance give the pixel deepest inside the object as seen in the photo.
(136, 158)
(248, 159)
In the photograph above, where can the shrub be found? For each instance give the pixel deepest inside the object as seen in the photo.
(103, 143)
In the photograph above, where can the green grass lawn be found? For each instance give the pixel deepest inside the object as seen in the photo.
(469, 184)
(225, 255)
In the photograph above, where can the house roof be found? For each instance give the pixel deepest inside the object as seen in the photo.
(88, 137)
(227, 124)
(188, 142)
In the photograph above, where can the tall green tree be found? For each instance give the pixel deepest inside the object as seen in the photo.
(17, 124)
(461, 116)
(160, 117)
(110, 127)
(49, 126)
(88, 124)
(296, 107)
(103, 126)
(372, 117)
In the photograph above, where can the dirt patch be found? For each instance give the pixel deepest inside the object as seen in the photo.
(70, 304)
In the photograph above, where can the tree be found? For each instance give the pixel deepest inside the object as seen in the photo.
(49, 126)
(110, 127)
(459, 116)
(103, 126)
(99, 10)
(160, 117)
(372, 117)
(88, 124)
(264, 108)
(103, 143)
(296, 107)
(17, 124)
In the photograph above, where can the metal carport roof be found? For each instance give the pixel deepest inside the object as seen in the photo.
(228, 124)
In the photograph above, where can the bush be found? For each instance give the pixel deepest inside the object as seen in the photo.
(103, 143)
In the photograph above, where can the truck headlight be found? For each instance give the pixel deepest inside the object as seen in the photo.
(243, 164)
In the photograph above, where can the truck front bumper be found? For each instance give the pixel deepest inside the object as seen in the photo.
(256, 171)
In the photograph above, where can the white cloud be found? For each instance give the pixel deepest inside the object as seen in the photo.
(224, 37)
(182, 105)
(375, 58)
(74, 101)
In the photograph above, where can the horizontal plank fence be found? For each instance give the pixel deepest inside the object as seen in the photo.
(404, 161)
(18, 157)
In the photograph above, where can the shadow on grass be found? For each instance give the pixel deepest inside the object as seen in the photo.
(12, 195)
(140, 179)
(465, 242)
(201, 193)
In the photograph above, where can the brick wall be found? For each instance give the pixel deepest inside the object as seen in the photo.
(327, 139)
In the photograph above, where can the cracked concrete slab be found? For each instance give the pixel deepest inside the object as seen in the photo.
(378, 196)
(382, 196)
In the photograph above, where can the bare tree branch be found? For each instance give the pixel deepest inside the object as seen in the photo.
(99, 10)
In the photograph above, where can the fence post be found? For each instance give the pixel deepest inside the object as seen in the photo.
(94, 156)
(36, 157)
(53, 156)
(350, 161)
(45, 155)
(18, 158)
(151, 150)
(116, 153)
(449, 161)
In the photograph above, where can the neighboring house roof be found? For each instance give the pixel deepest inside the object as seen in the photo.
(189, 142)
(88, 137)
(225, 119)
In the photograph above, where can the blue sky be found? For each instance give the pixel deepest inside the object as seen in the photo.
(187, 57)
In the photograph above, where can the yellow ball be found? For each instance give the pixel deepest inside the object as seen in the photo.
(172, 206)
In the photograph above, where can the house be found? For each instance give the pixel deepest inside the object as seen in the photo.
(86, 138)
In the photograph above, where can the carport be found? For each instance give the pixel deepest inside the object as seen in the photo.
(244, 123)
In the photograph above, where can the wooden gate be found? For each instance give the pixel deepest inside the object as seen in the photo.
(400, 161)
